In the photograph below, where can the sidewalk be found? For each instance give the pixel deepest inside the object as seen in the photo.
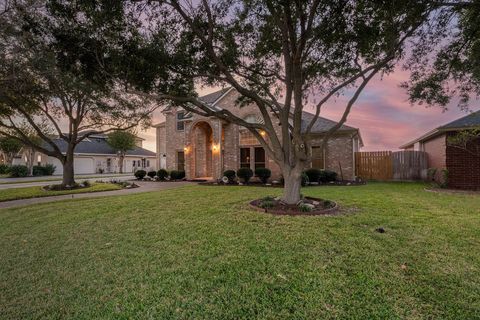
(144, 187)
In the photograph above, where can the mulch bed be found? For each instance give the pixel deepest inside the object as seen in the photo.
(278, 185)
(322, 207)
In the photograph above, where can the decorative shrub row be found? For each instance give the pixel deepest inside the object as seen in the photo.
(245, 174)
(317, 175)
(4, 168)
(18, 171)
(162, 174)
(46, 170)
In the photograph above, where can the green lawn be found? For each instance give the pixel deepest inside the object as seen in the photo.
(197, 252)
(38, 192)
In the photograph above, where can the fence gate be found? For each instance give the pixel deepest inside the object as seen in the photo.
(387, 165)
(376, 165)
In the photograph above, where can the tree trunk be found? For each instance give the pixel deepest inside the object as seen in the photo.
(68, 170)
(293, 183)
(120, 163)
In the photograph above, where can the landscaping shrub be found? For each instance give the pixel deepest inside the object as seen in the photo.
(431, 172)
(263, 174)
(327, 176)
(305, 180)
(4, 168)
(152, 174)
(162, 174)
(46, 170)
(245, 174)
(86, 183)
(140, 174)
(313, 174)
(18, 171)
(230, 174)
(177, 174)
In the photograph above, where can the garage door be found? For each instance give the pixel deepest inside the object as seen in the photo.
(57, 164)
(83, 166)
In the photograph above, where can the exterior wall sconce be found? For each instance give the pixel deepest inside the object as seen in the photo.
(186, 149)
(263, 133)
(214, 147)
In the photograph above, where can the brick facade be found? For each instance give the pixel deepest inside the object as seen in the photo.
(463, 167)
(212, 146)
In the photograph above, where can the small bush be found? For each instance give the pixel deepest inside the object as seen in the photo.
(152, 174)
(245, 174)
(140, 174)
(431, 172)
(177, 174)
(305, 180)
(266, 204)
(327, 176)
(49, 169)
(18, 171)
(86, 183)
(444, 183)
(313, 174)
(305, 207)
(263, 174)
(37, 171)
(4, 168)
(162, 174)
(230, 174)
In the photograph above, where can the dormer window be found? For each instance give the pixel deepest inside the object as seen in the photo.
(180, 121)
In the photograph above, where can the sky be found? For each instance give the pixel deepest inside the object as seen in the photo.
(382, 113)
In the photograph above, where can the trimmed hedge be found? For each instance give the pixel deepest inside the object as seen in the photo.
(46, 170)
(18, 171)
(327, 176)
(313, 174)
(162, 174)
(263, 174)
(230, 174)
(177, 174)
(140, 174)
(245, 174)
(152, 174)
(4, 168)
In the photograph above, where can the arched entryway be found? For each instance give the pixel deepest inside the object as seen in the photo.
(201, 137)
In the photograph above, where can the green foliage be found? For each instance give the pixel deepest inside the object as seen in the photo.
(152, 174)
(86, 183)
(4, 168)
(230, 174)
(466, 140)
(140, 174)
(177, 174)
(304, 207)
(46, 170)
(162, 174)
(313, 174)
(263, 174)
(431, 172)
(328, 175)
(10, 146)
(18, 171)
(444, 183)
(305, 181)
(121, 141)
(245, 174)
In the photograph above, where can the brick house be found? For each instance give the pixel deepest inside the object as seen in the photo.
(462, 164)
(206, 146)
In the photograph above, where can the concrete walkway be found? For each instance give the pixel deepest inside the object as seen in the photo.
(53, 181)
(144, 187)
(59, 178)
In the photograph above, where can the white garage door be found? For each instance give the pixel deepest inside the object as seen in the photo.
(83, 166)
(57, 164)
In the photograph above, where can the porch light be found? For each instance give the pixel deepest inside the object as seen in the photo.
(214, 147)
(263, 133)
(186, 149)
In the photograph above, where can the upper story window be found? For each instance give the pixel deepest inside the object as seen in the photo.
(180, 121)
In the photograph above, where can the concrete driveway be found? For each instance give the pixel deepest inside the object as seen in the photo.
(145, 186)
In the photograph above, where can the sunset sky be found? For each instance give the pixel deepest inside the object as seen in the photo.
(384, 116)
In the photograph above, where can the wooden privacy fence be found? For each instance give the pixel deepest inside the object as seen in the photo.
(388, 165)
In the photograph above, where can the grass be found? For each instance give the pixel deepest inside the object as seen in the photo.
(43, 179)
(197, 252)
(38, 192)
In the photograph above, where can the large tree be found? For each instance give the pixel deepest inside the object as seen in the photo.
(10, 148)
(281, 56)
(48, 78)
(121, 141)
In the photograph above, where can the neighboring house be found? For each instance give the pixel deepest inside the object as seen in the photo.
(206, 146)
(94, 155)
(463, 166)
